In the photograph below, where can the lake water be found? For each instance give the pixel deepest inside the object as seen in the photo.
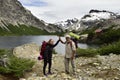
(14, 41)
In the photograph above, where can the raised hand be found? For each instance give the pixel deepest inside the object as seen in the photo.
(59, 38)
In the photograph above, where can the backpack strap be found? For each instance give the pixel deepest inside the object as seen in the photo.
(71, 45)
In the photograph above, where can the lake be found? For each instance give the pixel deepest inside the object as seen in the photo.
(8, 42)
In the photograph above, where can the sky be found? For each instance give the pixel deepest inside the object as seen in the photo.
(52, 11)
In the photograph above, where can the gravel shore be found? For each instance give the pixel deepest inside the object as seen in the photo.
(87, 68)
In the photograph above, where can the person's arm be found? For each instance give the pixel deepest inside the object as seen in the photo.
(73, 50)
(62, 41)
(55, 44)
(73, 54)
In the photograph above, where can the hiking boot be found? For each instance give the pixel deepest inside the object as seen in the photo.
(67, 72)
(49, 73)
(45, 75)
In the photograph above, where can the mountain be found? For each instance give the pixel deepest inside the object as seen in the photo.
(96, 15)
(12, 12)
(92, 19)
(70, 24)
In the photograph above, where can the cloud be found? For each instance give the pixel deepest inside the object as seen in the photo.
(33, 2)
(58, 10)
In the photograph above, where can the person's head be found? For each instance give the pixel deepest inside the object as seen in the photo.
(68, 38)
(51, 41)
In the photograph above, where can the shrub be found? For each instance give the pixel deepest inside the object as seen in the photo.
(111, 48)
(86, 52)
(110, 36)
(4, 70)
(2, 52)
(54, 52)
(19, 66)
(15, 66)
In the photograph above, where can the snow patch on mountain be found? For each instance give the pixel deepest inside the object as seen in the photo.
(69, 24)
(98, 15)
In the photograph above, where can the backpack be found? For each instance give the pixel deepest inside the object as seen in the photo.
(75, 41)
(43, 46)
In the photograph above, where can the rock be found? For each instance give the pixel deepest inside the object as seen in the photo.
(78, 70)
(65, 76)
(34, 75)
(116, 78)
(37, 78)
(74, 79)
(52, 76)
(99, 79)
(105, 67)
(99, 68)
(111, 55)
(4, 61)
(96, 64)
(80, 78)
(29, 51)
(22, 79)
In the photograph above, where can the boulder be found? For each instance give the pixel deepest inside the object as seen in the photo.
(29, 51)
(78, 70)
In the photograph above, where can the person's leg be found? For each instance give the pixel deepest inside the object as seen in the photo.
(73, 65)
(67, 65)
(50, 64)
(44, 67)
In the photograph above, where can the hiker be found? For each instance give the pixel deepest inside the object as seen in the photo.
(48, 55)
(70, 50)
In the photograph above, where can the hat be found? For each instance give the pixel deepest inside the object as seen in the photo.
(68, 36)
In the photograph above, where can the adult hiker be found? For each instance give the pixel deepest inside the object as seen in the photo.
(48, 55)
(70, 50)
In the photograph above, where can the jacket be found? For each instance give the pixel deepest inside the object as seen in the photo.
(48, 50)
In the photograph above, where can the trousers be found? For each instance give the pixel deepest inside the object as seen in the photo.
(45, 65)
(67, 60)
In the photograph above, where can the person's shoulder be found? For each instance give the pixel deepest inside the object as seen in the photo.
(73, 43)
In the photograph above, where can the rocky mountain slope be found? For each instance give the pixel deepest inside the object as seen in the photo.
(95, 18)
(12, 12)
